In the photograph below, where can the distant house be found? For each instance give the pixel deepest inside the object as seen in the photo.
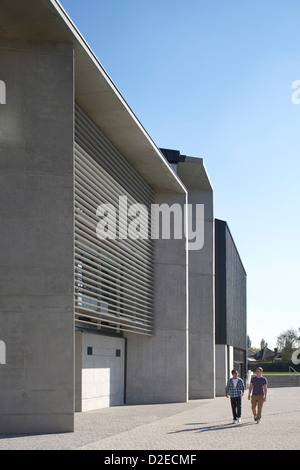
(250, 355)
(266, 355)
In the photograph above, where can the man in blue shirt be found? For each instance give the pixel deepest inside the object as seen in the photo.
(235, 390)
(258, 388)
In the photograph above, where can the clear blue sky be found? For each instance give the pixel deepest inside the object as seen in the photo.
(213, 79)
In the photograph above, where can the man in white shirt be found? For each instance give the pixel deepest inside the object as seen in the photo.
(235, 390)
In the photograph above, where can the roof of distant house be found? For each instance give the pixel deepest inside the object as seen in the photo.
(266, 354)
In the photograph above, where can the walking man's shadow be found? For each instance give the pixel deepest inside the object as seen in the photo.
(203, 427)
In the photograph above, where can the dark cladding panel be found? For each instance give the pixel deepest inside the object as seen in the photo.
(236, 296)
(220, 282)
(230, 282)
(173, 156)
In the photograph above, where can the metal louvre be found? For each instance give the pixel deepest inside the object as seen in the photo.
(113, 278)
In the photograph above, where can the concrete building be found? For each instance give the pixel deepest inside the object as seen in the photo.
(76, 310)
(231, 308)
(89, 322)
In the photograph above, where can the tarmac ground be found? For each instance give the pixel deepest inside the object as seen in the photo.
(196, 425)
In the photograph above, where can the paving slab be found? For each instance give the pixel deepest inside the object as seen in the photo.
(197, 425)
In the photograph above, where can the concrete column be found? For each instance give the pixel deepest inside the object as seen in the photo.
(201, 285)
(157, 367)
(36, 238)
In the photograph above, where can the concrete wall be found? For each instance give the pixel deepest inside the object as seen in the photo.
(36, 238)
(201, 285)
(201, 306)
(100, 371)
(157, 367)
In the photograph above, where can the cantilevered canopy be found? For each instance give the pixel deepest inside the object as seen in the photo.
(96, 94)
(194, 174)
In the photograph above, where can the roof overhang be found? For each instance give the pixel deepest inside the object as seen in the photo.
(95, 93)
(194, 175)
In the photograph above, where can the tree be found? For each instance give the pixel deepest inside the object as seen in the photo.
(249, 342)
(287, 343)
(263, 344)
(288, 339)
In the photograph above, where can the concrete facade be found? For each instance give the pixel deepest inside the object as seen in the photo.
(201, 276)
(157, 367)
(56, 361)
(201, 284)
(36, 262)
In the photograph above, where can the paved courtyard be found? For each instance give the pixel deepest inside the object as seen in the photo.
(197, 425)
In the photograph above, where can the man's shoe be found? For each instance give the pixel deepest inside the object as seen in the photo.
(258, 421)
(234, 421)
(239, 420)
(255, 418)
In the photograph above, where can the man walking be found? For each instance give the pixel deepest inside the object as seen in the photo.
(258, 388)
(235, 390)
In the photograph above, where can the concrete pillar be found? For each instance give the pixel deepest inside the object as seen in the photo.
(36, 238)
(201, 285)
(157, 367)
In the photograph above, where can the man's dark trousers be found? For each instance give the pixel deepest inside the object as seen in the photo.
(236, 405)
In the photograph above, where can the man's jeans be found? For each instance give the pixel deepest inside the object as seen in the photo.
(236, 405)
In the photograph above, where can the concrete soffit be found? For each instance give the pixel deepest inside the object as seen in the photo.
(95, 93)
(194, 175)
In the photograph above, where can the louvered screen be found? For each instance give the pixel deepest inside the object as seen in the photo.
(113, 278)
